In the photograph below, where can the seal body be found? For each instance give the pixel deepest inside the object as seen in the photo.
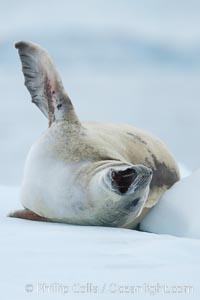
(63, 179)
(84, 172)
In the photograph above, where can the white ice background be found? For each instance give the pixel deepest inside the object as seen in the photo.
(123, 61)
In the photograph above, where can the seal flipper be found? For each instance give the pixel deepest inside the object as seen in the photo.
(44, 83)
(27, 214)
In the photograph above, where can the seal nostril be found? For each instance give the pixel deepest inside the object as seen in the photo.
(131, 205)
(135, 202)
(123, 179)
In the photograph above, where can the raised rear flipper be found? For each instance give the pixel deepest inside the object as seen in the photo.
(44, 83)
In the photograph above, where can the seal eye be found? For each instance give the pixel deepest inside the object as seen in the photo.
(122, 180)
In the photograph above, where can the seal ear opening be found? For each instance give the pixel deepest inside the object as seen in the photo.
(44, 84)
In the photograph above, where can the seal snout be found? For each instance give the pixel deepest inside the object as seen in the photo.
(137, 176)
(122, 180)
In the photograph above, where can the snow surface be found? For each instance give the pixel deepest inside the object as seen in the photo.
(184, 171)
(178, 211)
(58, 261)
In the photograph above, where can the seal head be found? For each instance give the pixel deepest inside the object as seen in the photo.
(125, 188)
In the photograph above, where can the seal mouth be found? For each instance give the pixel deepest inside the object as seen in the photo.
(130, 179)
(122, 180)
